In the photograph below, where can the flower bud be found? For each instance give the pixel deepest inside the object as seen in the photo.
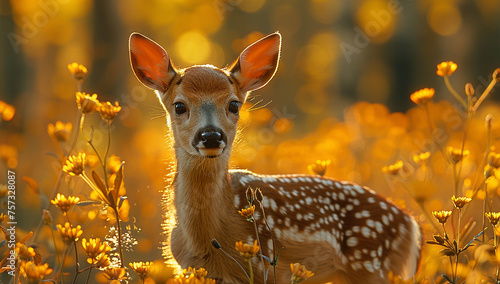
(496, 75)
(489, 120)
(47, 217)
(215, 244)
(469, 90)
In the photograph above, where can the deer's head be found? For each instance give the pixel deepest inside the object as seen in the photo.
(204, 101)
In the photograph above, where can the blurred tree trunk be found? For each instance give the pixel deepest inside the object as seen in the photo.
(13, 67)
(110, 49)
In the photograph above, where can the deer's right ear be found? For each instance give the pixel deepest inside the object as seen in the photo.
(150, 62)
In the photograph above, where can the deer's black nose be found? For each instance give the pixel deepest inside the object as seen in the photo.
(209, 137)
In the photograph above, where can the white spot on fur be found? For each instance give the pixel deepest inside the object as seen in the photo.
(383, 205)
(352, 241)
(365, 231)
(368, 266)
(237, 201)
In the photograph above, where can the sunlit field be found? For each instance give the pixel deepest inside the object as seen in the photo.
(86, 153)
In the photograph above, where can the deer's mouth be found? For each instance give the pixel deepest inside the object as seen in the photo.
(210, 152)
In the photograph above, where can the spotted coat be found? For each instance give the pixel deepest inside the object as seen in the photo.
(347, 226)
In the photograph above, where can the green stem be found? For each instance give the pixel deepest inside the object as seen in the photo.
(54, 193)
(454, 92)
(232, 258)
(77, 264)
(101, 161)
(469, 119)
(120, 248)
(58, 260)
(261, 254)
(272, 239)
(79, 122)
(250, 270)
(452, 270)
(459, 225)
(455, 179)
(88, 276)
(484, 209)
(485, 94)
(61, 269)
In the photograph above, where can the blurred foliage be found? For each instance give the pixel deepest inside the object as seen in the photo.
(341, 95)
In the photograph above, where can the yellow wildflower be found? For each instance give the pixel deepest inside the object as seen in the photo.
(108, 111)
(24, 251)
(246, 250)
(421, 158)
(94, 248)
(101, 261)
(161, 272)
(248, 212)
(77, 70)
(75, 164)
(64, 204)
(86, 103)
(493, 217)
(299, 273)
(32, 272)
(319, 167)
(193, 276)
(394, 168)
(422, 96)
(460, 202)
(112, 275)
(441, 216)
(456, 155)
(494, 159)
(445, 69)
(68, 233)
(60, 131)
(489, 171)
(141, 268)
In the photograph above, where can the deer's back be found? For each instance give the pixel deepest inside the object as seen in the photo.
(345, 226)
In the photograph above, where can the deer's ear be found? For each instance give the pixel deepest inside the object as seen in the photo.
(150, 62)
(257, 64)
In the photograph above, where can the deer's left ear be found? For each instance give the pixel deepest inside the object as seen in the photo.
(256, 65)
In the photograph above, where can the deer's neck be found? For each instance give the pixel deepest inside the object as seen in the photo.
(204, 199)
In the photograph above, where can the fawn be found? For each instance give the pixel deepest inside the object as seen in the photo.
(339, 230)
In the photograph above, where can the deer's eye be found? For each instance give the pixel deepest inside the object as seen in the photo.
(180, 108)
(233, 107)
